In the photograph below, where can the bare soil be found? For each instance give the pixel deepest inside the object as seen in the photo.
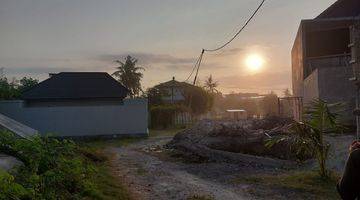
(150, 172)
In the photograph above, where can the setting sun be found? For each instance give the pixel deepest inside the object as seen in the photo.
(254, 62)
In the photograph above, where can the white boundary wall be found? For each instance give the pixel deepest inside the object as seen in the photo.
(129, 118)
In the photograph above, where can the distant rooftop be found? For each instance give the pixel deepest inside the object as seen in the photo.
(77, 85)
(341, 9)
(174, 83)
(236, 110)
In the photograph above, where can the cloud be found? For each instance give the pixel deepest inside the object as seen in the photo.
(36, 70)
(261, 81)
(230, 52)
(147, 59)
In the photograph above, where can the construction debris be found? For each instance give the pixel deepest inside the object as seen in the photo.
(236, 141)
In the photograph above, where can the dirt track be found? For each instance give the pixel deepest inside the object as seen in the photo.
(149, 173)
(150, 177)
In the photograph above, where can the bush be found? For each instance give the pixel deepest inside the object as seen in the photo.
(10, 189)
(51, 169)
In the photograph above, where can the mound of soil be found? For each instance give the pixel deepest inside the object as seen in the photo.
(214, 140)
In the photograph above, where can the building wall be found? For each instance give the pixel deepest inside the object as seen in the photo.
(174, 94)
(311, 87)
(335, 86)
(127, 118)
(320, 44)
(297, 57)
(332, 84)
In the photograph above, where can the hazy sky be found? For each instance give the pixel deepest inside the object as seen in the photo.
(42, 36)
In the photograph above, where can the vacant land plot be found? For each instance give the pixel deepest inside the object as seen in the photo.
(151, 172)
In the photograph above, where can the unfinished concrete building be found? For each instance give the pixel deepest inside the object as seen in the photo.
(321, 57)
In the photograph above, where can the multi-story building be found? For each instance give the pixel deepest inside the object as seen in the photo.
(321, 57)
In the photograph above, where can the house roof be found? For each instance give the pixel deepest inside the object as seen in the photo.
(174, 83)
(77, 85)
(340, 9)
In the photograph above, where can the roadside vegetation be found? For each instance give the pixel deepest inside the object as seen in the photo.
(305, 184)
(56, 169)
(200, 197)
(12, 89)
(307, 136)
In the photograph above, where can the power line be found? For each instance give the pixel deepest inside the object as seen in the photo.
(242, 28)
(198, 62)
(193, 70)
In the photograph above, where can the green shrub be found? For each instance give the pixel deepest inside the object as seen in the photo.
(10, 189)
(51, 169)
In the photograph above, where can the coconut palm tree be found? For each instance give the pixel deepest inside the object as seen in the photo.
(129, 75)
(210, 85)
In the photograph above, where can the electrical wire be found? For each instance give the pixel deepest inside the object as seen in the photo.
(242, 28)
(193, 70)
(198, 62)
(198, 67)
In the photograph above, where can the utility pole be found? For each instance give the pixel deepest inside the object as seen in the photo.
(355, 64)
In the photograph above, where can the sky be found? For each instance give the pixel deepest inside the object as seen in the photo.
(38, 37)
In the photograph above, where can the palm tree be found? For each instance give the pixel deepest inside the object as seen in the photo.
(129, 75)
(210, 85)
(287, 93)
(308, 136)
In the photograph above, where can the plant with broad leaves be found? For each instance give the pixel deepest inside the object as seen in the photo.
(307, 137)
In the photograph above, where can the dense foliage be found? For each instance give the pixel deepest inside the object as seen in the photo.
(50, 169)
(162, 116)
(269, 105)
(198, 99)
(129, 75)
(13, 89)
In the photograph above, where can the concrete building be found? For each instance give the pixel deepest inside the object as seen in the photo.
(79, 104)
(321, 56)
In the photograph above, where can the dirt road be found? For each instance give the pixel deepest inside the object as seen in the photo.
(150, 177)
(149, 173)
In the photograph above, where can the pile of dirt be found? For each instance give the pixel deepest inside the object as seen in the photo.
(241, 141)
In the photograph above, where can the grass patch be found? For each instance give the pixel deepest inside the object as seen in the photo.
(200, 197)
(141, 171)
(303, 182)
(100, 143)
(96, 144)
(163, 133)
(107, 182)
(110, 186)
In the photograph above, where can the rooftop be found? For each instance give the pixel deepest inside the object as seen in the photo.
(341, 9)
(174, 83)
(77, 85)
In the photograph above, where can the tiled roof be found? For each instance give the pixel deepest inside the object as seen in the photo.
(77, 85)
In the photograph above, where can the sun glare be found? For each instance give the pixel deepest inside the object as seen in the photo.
(254, 62)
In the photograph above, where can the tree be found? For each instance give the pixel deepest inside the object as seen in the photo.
(210, 85)
(155, 96)
(287, 93)
(270, 104)
(27, 83)
(13, 89)
(129, 75)
(8, 90)
(198, 99)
